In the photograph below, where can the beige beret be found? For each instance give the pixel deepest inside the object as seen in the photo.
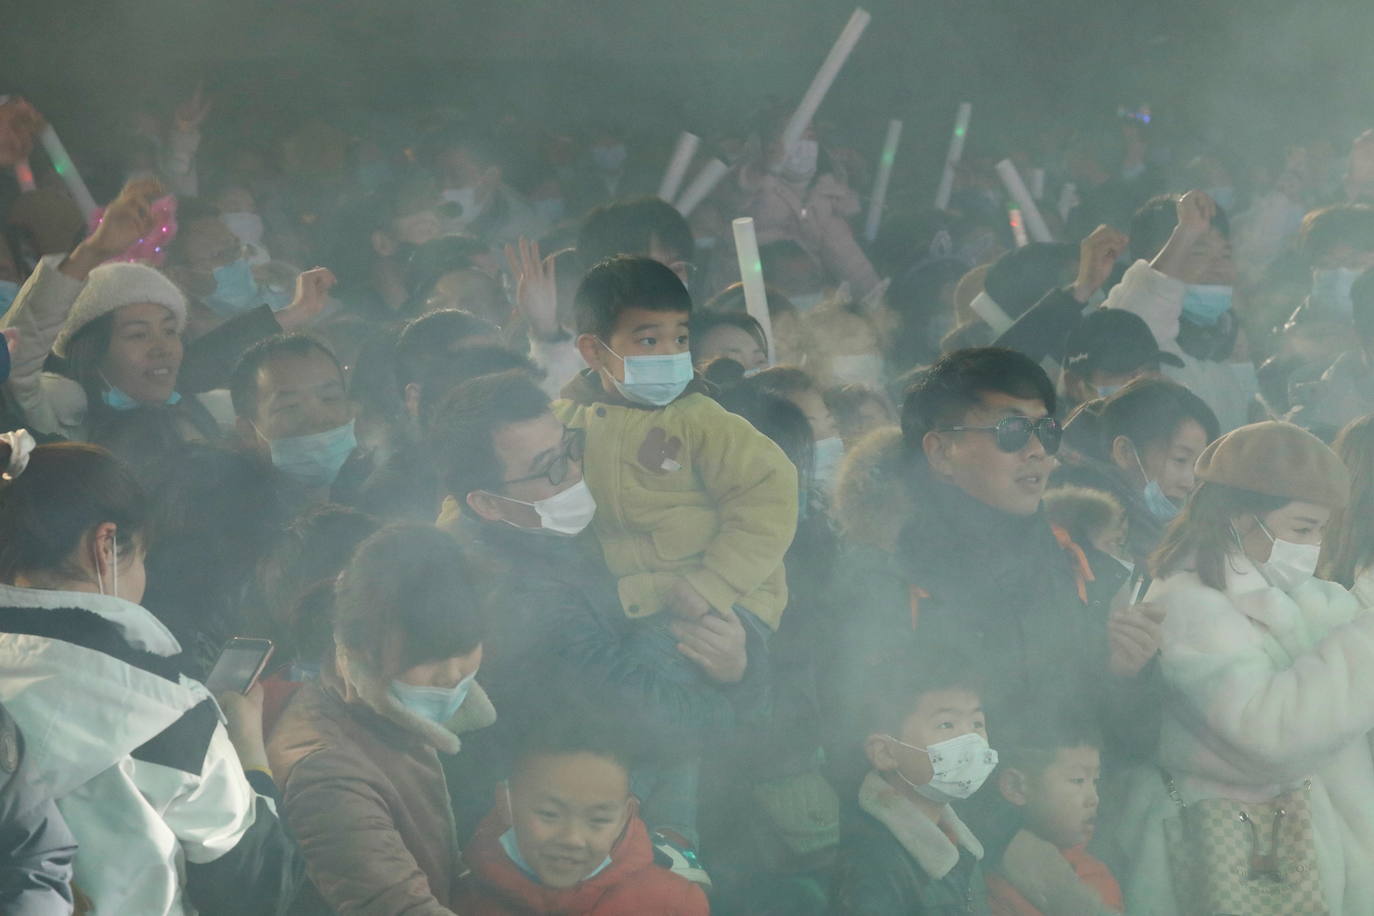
(1279, 459)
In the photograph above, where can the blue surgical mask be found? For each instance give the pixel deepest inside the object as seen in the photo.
(1156, 503)
(654, 381)
(1204, 304)
(512, 848)
(116, 398)
(609, 158)
(9, 290)
(314, 460)
(437, 704)
(828, 455)
(1331, 290)
(236, 291)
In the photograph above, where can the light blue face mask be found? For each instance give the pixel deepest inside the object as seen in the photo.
(1156, 503)
(114, 397)
(654, 381)
(1331, 290)
(9, 290)
(314, 460)
(437, 704)
(236, 291)
(1106, 391)
(512, 848)
(1204, 304)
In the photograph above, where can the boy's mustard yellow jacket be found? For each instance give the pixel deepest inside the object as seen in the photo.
(688, 490)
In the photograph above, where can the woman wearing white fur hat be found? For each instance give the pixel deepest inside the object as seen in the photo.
(117, 327)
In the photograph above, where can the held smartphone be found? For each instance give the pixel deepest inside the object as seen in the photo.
(239, 664)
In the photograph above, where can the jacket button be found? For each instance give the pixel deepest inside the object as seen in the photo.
(601, 411)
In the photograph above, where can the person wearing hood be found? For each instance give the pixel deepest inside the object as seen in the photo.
(801, 195)
(119, 328)
(1270, 700)
(356, 752)
(1181, 283)
(168, 792)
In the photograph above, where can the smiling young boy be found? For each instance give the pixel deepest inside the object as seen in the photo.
(565, 835)
(696, 508)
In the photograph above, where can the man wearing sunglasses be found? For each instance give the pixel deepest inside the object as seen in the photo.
(982, 571)
(516, 498)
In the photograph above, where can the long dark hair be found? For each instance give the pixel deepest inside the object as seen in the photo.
(1348, 547)
(1202, 532)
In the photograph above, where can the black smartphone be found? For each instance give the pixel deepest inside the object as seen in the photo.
(239, 664)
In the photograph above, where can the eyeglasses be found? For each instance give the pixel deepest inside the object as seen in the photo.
(1014, 432)
(574, 446)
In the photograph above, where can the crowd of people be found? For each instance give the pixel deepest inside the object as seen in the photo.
(965, 575)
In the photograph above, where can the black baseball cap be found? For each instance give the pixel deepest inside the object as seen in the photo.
(1114, 341)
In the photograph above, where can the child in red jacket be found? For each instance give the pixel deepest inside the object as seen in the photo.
(564, 836)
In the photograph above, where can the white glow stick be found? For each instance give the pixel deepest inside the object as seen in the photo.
(853, 30)
(889, 155)
(677, 166)
(710, 175)
(986, 308)
(1037, 185)
(1035, 223)
(62, 164)
(956, 152)
(1018, 227)
(23, 173)
(751, 273)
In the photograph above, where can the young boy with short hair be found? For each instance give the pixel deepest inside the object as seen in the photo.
(1050, 772)
(905, 850)
(695, 507)
(565, 835)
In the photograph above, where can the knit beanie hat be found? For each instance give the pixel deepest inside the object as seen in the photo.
(112, 286)
(1278, 459)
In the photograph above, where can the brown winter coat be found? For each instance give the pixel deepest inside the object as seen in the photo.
(365, 795)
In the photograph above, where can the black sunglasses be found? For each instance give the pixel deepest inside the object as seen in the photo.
(1014, 432)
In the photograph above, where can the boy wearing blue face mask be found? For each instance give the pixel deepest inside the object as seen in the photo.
(696, 508)
(904, 850)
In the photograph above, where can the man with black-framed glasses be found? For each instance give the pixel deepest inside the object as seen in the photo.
(517, 500)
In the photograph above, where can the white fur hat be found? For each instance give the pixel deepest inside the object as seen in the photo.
(111, 286)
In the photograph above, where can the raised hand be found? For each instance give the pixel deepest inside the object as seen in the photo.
(536, 288)
(1097, 256)
(312, 293)
(191, 113)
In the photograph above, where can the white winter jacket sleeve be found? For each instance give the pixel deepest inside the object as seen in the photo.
(51, 404)
(1271, 687)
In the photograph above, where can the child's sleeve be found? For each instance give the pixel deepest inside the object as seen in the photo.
(754, 486)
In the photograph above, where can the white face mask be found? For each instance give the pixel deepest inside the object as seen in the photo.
(800, 162)
(246, 226)
(961, 767)
(1289, 565)
(829, 453)
(566, 513)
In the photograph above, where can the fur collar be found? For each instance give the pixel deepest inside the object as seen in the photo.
(359, 682)
(135, 623)
(921, 837)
